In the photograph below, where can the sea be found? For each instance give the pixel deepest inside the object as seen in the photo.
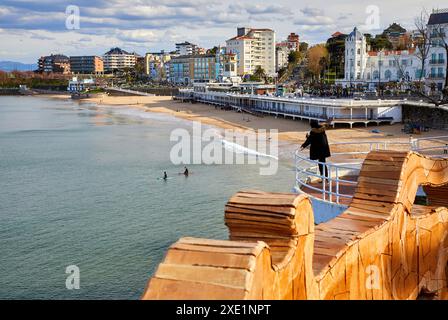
(80, 189)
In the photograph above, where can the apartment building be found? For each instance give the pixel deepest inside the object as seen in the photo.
(281, 55)
(226, 66)
(184, 70)
(436, 64)
(187, 48)
(180, 70)
(56, 63)
(253, 48)
(118, 59)
(203, 67)
(156, 64)
(86, 64)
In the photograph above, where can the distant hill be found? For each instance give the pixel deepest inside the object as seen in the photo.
(12, 65)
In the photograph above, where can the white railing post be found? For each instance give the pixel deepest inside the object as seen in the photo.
(330, 182)
(337, 185)
(324, 196)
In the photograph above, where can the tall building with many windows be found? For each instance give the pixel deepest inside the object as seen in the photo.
(436, 64)
(118, 59)
(86, 64)
(187, 48)
(189, 68)
(253, 48)
(55, 63)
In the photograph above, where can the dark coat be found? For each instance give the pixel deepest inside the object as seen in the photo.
(319, 149)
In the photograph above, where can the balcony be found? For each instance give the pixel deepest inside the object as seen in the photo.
(436, 76)
(436, 35)
(437, 61)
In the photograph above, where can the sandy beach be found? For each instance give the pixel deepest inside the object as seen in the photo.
(291, 132)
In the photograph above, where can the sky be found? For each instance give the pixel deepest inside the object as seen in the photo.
(30, 28)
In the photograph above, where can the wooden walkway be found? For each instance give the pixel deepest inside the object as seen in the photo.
(382, 247)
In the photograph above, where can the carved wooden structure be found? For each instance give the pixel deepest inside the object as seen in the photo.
(382, 247)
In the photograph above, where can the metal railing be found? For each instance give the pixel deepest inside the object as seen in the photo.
(307, 170)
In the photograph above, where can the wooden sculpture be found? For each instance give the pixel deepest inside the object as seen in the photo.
(382, 247)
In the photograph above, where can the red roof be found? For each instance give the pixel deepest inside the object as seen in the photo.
(336, 34)
(391, 52)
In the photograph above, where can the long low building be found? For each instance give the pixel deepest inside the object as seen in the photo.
(332, 111)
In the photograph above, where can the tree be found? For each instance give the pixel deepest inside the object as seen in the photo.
(260, 74)
(378, 43)
(317, 59)
(213, 50)
(422, 42)
(336, 52)
(429, 36)
(294, 57)
(303, 47)
(440, 38)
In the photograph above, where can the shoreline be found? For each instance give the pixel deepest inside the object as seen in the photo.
(289, 131)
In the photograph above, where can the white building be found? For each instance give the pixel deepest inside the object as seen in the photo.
(436, 63)
(281, 55)
(253, 47)
(186, 48)
(370, 68)
(118, 59)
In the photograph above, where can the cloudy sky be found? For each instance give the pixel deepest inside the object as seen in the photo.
(30, 28)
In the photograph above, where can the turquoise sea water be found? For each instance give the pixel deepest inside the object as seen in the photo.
(78, 186)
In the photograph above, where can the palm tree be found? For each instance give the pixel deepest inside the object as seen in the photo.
(260, 73)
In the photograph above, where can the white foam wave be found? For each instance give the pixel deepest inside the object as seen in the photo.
(237, 148)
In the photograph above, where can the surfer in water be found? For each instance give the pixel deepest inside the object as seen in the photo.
(186, 172)
(165, 176)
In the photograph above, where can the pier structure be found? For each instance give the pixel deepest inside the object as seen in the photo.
(385, 245)
(331, 111)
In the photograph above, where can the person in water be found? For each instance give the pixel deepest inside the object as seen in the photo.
(186, 172)
(165, 176)
(319, 148)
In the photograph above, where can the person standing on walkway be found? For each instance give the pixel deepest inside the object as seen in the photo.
(319, 148)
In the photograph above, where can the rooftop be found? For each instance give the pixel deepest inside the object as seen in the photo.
(116, 51)
(438, 17)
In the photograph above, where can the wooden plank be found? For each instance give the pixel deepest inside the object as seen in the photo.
(235, 250)
(261, 201)
(259, 218)
(369, 181)
(221, 276)
(167, 289)
(212, 259)
(272, 209)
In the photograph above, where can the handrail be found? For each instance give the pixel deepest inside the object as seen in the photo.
(328, 191)
(330, 188)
